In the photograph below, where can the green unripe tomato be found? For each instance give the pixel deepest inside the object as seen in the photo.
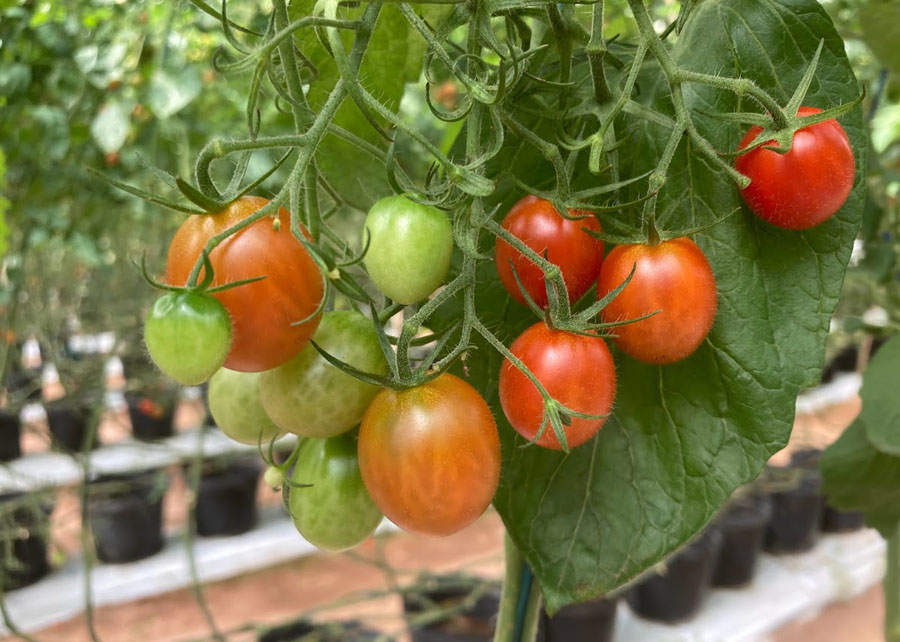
(273, 477)
(334, 513)
(234, 404)
(310, 397)
(188, 335)
(409, 249)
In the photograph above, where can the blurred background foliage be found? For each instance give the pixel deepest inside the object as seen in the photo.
(121, 86)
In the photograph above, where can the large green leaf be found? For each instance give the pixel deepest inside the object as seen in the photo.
(682, 437)
(393, 57)
(862, 469)
(880, 401)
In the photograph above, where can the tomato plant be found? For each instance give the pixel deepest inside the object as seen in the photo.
(236, 408)
(673, 281)
(430, 455)
(265, 313)
(564, 242)
(576, 370)
(334, 512)
(409, 248)
(310, 397)
(805, 186)
(188, 335)
(640, 131)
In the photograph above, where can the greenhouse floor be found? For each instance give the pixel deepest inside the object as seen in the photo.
(279, 594)
(331, 585)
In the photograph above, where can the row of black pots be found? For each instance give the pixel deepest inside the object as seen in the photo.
(592, 621)
(125, 513)
(126, 517)
(69, 423)
(24, 523)
(788, 519)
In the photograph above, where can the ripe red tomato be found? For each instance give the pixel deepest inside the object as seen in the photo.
(576, 370)
(430, 455)
(537, 223)
(673, 277)
(805, 186)
(262, 312)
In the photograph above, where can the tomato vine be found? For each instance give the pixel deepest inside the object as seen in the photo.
(532, 75)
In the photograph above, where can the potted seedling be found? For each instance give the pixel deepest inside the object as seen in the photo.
(11, 401)
(452, 608)
(151, 396)
(307, 631)
(742, 524)
(226, 495)
(593, 621)
(125, 514)
(74, 416)
(676, 592)
(797, 501)
(833, 520)
(24, 531)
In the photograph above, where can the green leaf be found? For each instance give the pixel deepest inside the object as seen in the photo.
(110, 127)
(859, 477)
(682, 437)
(386, 66)
(880, 401)
(880, 21)
(14, 79)
(862, 469)
(170, 92)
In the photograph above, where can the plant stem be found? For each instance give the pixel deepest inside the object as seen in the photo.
(892, 589)
(520, 602)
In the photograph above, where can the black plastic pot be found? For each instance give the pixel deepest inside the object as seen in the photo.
(126, 515)
(678, 594)
(25, 528)
(743, 529)
(10, 433)
(593, 621)
(152, 417)
(796, 511)
(474, 624)
(25, 383)
(841, 521)
(319, 632)
(844, 361)
(226, 498)
(69, 423)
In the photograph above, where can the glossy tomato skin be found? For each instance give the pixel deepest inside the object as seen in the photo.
(576, 370)
(312, 398)
(567, 244)
(188, 335)
(335, 513)
(235, 406)
(262, 312)
(430, 455)
(673, 277)
(409, 248)
(807, 185)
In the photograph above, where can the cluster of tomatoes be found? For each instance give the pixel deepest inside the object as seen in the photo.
(427, 455)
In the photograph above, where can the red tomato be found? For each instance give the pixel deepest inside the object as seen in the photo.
(673, 277)
(537, 223)
(262, 312)
(576, 370)
(430, 455)
(805, 186)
